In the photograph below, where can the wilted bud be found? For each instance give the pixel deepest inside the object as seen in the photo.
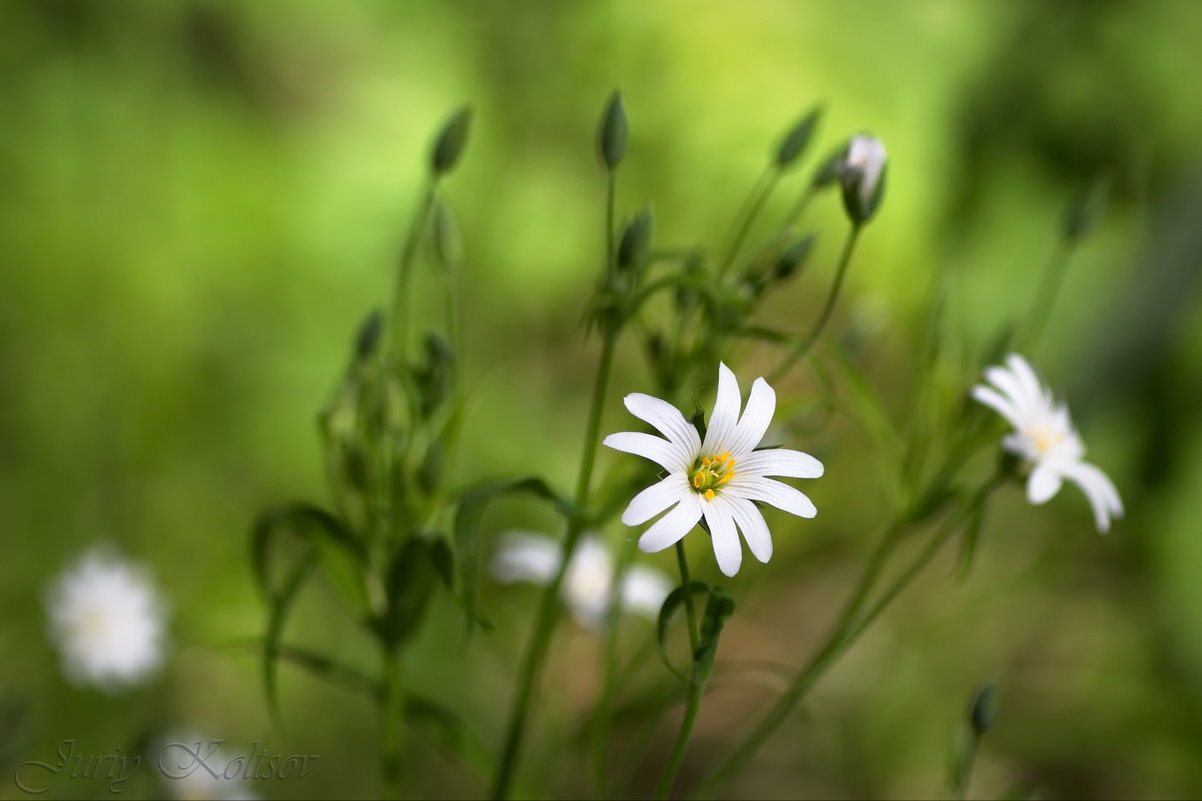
(792, 259)
(448, 147)
(795, 142)
(369, 335)
(1087, 207)
(448, 244)
(863, 178)
(984, 709)
(612, 133)
(635, 245)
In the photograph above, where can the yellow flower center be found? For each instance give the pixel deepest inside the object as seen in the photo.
(1045, 438)
(711, 472)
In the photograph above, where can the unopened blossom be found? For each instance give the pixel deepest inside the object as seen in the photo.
(719, 478)
(107, 621)
(588, 582)
(1044, 438)
(863, 172)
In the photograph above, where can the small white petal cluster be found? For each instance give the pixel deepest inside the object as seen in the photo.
(1044, 438)
(867, 155)
(107, 620)
(720, 478)
(588, 582)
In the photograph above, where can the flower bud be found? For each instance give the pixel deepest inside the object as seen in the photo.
(635, 245)
(369, 335)
(795, 142)
(863, 177)
(984, 709)
(831, 168)
(1087, 207)
(612, 132)
(448, 147)
(792, 259)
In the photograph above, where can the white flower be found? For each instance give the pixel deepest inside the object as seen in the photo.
(1045, 439)
(107, 620)
(195, 768)
(866, 155)
(720, 478)
(587, 585)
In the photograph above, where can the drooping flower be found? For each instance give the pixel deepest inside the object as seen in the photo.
(1044, 438)
(107, 620)
(588, 582)
(719, 478)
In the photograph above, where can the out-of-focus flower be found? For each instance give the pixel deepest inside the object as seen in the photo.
(587, 585)
(1044, 438)
(720, 478)
(107, 620)
(196, 768)
(863, 175)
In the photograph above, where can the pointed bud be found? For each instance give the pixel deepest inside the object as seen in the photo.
(863, 177)
(984, 709)
(635, 245)
(612, 133)
(797, 139)
(831, 168)
(448, 147)
(448, 244)
(369, 335)
(1087, 207)
(793, 258)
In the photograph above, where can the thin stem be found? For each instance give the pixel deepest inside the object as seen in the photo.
(751, 209)
(1049, 288)
(548, 610)
(392, 711)
(400, 300)
(696, 683)
(844, 635)
(800, 207)
(828, 307)
(609, 668)
(610, 201)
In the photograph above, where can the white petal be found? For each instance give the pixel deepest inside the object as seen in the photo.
(667, 455)
(1026, 376)
(780, 462)
(753, 526)
(782, 496)
(1099, 489)
(722, 422)
(644, 590)
(656, 498)
(761, 405)
(670, 528)
(666, 418)
(526, 556)
(1011, 388)
(727, 548)
(1044, 482)
(994, 400)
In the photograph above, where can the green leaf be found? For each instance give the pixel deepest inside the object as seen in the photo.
(333, 672)
(409, 585)
(471, 507)
(798, 138)
(448, 147)
(673, 602)
(341, 553)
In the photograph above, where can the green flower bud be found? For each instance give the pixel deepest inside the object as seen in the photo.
(368, 337)
(612, 132)
(797, 139)
(794, 258)
(1087, 207)
(984, 709)
(635, 245)
(448, 147)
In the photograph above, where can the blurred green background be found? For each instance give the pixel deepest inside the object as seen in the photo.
(200, 200)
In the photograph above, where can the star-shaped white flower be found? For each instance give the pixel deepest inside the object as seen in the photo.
(1045, 439)
(587, 585)
(720, 478)
(107, 620)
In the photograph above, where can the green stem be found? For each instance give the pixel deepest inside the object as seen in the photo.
(400, 299)
(393, 721)
(800, 207)
(844, 635)
(828, 307)
(610, 193)
(751, 209)
(548, 610)
(609, 669)
(696, 684)
(1049, 288)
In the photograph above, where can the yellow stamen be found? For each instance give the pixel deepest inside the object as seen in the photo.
(705, 462)
(709, 494)
(726, 477)
(697, 481)
(731, 466)
(725, 455)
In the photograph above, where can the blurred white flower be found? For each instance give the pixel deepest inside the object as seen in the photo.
(196, 768)
(587, 585)
(866, 157)
(107, 620)
(1044, 438)
(720, 478)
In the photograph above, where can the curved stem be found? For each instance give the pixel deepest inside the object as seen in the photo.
(696, 683)
(828, 307)
(845, 634)
(751, 209)
(548, 610)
